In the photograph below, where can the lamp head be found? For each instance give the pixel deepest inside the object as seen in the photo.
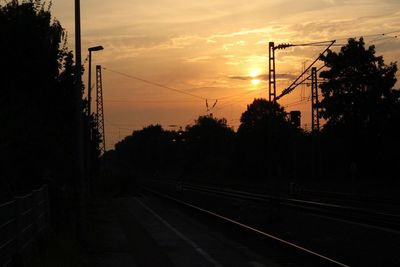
(95, 48)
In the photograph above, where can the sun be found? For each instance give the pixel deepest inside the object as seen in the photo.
(254, 74)
(255, 81)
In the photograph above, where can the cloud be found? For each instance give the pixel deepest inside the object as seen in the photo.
(200, 59)
(264, 77)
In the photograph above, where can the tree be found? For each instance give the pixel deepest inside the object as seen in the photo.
(358, 91)
(361, 107)
(36, 95)
(261, 114)
(208, 148)
(146, 151)
(263, 139)
(209, 136)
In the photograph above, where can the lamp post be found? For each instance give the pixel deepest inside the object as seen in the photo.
(78, 96)
(89, 131)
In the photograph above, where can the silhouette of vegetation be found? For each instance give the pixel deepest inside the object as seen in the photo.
(209, 144)
(264, 139)
(359, 88)
(144, 150)
(361, 107)
(37, 76)
(144, 154)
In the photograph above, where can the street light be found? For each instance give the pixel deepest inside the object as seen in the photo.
(91, 49)
(89, 130)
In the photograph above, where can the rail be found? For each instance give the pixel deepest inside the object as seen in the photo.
(322, 259)
(356, 214)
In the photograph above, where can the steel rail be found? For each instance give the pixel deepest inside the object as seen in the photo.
(290, 244)
(374, 218)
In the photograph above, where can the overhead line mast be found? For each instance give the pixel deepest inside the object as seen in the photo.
(297, 81)
(272, 74)
(314, 100)
(100, 110)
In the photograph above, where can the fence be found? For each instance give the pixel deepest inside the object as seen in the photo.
(22, 221)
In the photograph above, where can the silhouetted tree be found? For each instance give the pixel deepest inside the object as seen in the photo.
(146, 151)
(359, 87)
(209, 145)
(37, 76)
(264, 139)
(359, 103)
(209, 136)
(259, 112)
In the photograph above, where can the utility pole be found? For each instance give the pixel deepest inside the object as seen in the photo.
(80, 188)
(100, 111)
(271, 67)
(314, 100)
(270, 158)
(315, 150)
(272, 74)
(78, 94)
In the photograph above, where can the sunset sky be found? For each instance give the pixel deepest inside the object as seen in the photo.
(213, 49)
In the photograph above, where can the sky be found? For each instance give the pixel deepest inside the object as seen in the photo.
(165, 61)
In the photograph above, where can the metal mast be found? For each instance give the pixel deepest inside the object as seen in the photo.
(100, 110)
(314, 100)
(272, 75)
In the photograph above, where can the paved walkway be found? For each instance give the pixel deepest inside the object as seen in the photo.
(115, 238)
(143, 231)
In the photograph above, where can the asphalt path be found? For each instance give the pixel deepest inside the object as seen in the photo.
(185, 240)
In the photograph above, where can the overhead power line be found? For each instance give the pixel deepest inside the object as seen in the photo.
(150, 101)
(238, 100)
(167, 88)
(296, 82)
(156, 84)
(383, 37)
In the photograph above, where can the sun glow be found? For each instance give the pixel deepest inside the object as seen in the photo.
(254, 74)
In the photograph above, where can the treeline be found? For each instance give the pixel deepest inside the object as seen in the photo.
(210, 149)
(358, 142)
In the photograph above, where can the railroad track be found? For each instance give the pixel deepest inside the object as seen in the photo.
(353, 235)
(314, 258)
(353, 200)
(353, 214)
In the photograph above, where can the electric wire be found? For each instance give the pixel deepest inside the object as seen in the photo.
(382, 38)
(167, 87)
(235, 100)
(150, 101)
(156, 84)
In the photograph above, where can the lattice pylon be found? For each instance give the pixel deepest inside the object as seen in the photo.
(272, 76)
(100, 110)
(314, 100)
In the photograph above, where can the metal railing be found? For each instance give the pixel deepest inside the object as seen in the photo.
(22, 221)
